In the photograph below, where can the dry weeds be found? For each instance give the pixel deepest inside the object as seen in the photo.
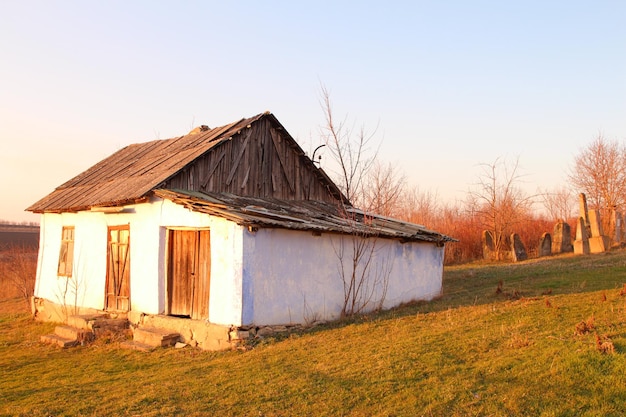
(604, 344)
(585, 326)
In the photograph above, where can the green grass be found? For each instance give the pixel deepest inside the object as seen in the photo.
(474, 351)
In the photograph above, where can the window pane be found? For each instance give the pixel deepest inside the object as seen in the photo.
(66, 254)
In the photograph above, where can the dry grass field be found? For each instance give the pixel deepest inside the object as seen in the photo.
(18, 265)
(18, 235)
(544, 337)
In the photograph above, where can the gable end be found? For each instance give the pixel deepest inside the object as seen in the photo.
(261, 160)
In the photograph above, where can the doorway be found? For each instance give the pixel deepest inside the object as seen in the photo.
(189, 273)
(117, 297)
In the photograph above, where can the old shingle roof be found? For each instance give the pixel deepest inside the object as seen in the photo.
(131, 173)
(315, 216)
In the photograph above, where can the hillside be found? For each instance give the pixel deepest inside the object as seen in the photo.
(502, 340)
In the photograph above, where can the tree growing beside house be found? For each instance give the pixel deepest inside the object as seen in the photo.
(375, 188)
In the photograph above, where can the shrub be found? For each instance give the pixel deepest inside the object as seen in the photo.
(18, 267)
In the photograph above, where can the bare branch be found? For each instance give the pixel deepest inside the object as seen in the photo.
(559, 203)
(498, 202)
(349, 148)
(599, 171)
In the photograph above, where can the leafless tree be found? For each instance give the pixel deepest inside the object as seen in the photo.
(383, 190)
(498, 201)
(350, 148)
(365, 282)
(599, 171)
(421, 207)
(364, 275)
(559, 203)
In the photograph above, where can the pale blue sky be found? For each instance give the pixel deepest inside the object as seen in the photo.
(451, 84)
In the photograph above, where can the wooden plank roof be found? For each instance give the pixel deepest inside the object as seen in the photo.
(131, 173)
(309, 215)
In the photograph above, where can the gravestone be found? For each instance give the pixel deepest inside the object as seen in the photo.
(562, 238)
(545, 245)
(518, 251)
(581, 244)
(618, 227)
(488, 246)
(598, 242)
(582, 201)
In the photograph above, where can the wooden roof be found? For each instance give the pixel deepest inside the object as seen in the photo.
(130, 174)
(309, 215)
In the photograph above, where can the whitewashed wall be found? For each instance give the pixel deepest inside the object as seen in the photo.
(148, 225)
(271, 276)
(293, 277)
(86, 287)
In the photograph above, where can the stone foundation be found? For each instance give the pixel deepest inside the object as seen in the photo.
(46, 310)
(196, 333)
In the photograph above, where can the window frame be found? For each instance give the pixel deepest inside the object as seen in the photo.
(66, 252)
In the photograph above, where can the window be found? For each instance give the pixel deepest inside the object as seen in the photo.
(66, 255)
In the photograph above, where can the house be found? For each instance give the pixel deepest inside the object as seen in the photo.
(219, 231)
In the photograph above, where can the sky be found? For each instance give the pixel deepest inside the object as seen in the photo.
(445, 85)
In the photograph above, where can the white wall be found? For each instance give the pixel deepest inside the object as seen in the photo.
(226, 253)
(293, 277)
(270, 276)
(148, 225)
(86, 286)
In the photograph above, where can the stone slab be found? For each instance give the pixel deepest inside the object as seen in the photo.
(581, 247)
(133, 345)
(84, 321)
(155, 337)
(54, 339)
(70, 332)
(599, 244)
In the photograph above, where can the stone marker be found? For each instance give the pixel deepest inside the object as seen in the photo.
(562, 238)
(618, 227)
(598, 242)
(518, 251)
(488, 246)
(582, 201)
(581, 244)
(545, 245)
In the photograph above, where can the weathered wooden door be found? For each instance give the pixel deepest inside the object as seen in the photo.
(118, 269)
(189, 273)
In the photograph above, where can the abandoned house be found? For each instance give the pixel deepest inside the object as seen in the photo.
(219, 231)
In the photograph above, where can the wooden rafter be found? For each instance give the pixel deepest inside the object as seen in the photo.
(237, 160)
(282, 163)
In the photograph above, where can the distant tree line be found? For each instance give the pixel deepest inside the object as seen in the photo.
(15, 223)
(495, 202)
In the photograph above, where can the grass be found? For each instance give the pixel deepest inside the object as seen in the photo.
(477, 350)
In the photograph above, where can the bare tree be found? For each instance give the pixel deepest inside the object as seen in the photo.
(559, 203)
(364, 275)
(350, 148)
(421, 207)
(383, 190)
(498, 201)
(599, 171)
(362, 278)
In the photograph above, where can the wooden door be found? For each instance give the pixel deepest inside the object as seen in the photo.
(118, 269)
(189, 273)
